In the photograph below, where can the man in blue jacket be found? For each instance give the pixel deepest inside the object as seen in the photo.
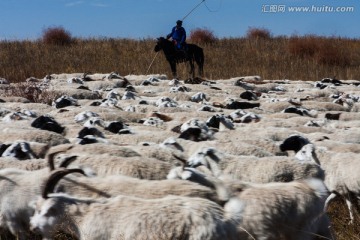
(178, 35)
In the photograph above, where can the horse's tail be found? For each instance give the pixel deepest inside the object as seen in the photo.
(200, 59)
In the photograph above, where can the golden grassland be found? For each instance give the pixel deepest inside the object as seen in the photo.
(305, 58)
(339, 216)
(294, 58)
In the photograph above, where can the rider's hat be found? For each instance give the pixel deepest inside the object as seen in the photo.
(179, 22)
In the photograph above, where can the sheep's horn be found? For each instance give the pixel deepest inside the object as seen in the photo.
(67, 161)
(55, 177)
(182, 160)
(50, 156)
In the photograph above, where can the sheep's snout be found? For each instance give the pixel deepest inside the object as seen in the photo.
(35, 229)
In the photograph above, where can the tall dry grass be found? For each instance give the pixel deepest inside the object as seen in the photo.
(339, 216)
(297, 57)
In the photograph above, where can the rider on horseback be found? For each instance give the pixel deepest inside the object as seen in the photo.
(178, 35)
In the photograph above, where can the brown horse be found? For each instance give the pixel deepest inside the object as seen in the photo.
(174, 56)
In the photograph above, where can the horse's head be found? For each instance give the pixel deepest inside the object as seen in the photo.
(160, 44)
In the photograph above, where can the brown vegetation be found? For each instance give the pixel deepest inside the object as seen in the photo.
(257, 33)
(306, 58)
(56, 36)
(339, 215)
(202, 36)
(321, 50)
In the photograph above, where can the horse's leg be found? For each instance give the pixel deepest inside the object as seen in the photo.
(192, 70)
(173, 68)
(199, 59)
(201, 69)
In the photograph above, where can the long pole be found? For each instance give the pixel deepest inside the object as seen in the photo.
(151, 63)
(193, 10)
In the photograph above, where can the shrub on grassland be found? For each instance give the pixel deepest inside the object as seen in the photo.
(56, 36)
(204, 36)
(258, 33)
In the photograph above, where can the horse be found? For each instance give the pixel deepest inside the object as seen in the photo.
(191, 53)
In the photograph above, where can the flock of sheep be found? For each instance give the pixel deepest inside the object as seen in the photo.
(145, 157)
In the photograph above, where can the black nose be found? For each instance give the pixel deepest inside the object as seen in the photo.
(34, 229)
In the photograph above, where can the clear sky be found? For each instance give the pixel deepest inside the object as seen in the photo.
(138, 19)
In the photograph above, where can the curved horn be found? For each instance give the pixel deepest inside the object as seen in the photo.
(182, 160)
(50, 156)
(55, 177)
(67, 161)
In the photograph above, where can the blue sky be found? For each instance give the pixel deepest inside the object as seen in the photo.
(138, 19)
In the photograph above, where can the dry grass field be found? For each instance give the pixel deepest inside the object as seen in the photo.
(295, 58)
(309, 58)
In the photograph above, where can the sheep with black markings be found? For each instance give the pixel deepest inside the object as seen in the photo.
(20, 150)
(195, 130)
(171, 217)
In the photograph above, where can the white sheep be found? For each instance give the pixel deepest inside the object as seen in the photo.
(199, 97)
(30, 165)
(153, 121)
(139, 167)
(341, 174)
(292, 211)
(166, 102)
(99, 149)
(112, 185)
(76, 80)
(253, 169)
(12, 134)
(114, 94)
(126, 217)
(129, 95)
(18, 187)
(84, 116)
(111, 102)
